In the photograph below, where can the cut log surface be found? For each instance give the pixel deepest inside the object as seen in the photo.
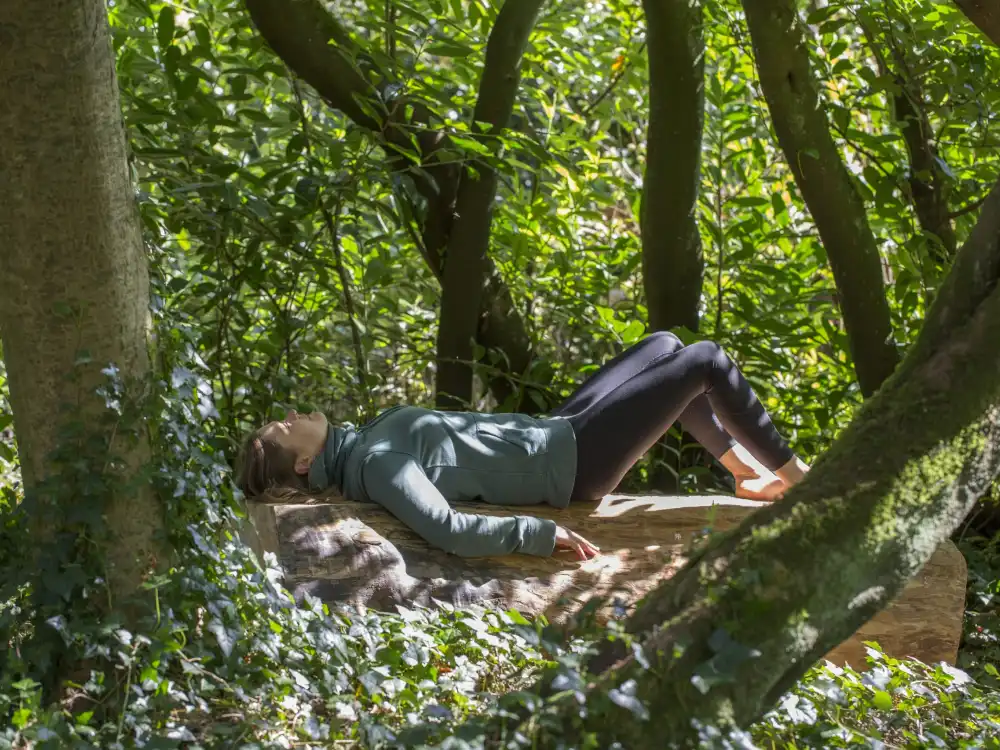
(358, 554)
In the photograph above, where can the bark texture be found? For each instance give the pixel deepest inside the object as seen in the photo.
(928, 182)
(985, 14)
(464, 281)
(76, 288)
(801, 126)
(358, 554)
(318, 49)
(672, 262)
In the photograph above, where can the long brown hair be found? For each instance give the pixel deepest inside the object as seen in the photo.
(266, 474)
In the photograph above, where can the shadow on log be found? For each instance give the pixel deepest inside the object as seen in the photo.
(358, 554)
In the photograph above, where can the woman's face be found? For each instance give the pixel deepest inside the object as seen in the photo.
(303, 434)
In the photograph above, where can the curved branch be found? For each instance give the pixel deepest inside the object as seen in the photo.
(801, 126)
(319, 50)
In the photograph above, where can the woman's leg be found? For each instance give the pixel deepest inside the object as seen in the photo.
(696, 417)
(614, 430)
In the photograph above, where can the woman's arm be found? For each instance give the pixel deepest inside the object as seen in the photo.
(398, 483)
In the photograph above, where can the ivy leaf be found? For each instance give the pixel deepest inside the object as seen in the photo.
(882, 701)
(223, 636)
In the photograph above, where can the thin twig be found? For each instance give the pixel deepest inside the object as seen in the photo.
(614, 82)
(969, 208)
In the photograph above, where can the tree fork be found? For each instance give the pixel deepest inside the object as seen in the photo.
(317, 48)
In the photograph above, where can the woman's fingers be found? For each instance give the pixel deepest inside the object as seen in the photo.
(567, 539)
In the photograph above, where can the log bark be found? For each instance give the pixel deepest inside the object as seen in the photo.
(358, 554)
(317, 48)
(464, 281)
(803, 133)
(75, 294)
(672, 262)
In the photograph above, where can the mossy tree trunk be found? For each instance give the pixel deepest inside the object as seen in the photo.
(318, 49)
(756, 607)
(672, 263)
(800, 123)
(75, 296)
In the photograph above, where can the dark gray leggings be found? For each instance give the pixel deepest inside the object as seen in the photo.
(625, 407)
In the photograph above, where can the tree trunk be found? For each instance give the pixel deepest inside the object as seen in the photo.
(76, 289)
(985, 14)
(928, 181)
(672, 262)
(318, 49)
(800, 123)
(468, 244)
(756, 607)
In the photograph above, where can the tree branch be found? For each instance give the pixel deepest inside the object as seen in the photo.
(985, 14)
(927, 181)
(468, 245)
(321, 52)
(300, 32)
(802, 129)
(974, 277)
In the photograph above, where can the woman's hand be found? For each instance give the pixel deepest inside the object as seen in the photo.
(566, 539)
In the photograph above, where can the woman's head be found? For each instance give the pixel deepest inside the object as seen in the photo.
(279, 454)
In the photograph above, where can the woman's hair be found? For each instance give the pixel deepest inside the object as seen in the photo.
(266, 474)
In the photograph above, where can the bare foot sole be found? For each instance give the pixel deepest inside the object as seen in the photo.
(767, 488)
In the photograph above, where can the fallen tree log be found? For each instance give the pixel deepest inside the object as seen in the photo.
(358, 554)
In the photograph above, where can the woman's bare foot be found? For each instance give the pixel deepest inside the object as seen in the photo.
(793, 472)
(754, 481)
(755, 487)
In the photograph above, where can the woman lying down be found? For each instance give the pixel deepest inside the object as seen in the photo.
(414, 462)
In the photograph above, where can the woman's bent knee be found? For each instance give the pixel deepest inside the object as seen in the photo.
(664, 341)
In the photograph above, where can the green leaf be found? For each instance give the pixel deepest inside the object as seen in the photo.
(882, 701)
(517, 618)
(165, 26)
(449, 49)
(633, 332)
(778, 204)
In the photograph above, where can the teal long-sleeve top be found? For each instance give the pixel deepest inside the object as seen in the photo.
(414, 462)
